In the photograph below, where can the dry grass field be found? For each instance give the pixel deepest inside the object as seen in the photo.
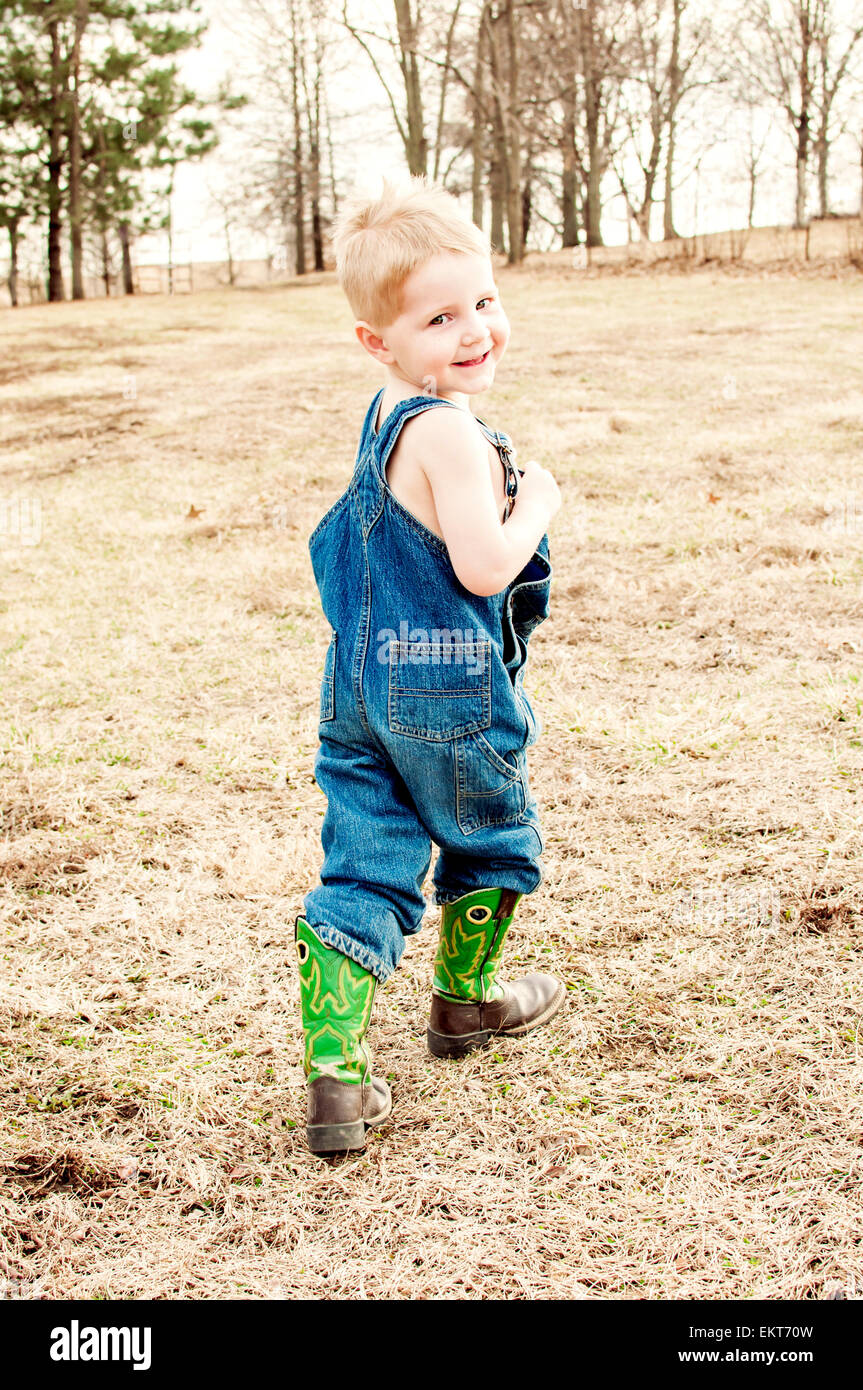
(690, 1125)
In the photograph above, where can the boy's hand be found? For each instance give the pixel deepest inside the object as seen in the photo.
(537, 487)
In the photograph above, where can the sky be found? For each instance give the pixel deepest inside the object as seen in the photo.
(711, 197)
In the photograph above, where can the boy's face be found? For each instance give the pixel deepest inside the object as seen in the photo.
(451, 331)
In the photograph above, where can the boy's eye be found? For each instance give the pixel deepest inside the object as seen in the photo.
(438, 318)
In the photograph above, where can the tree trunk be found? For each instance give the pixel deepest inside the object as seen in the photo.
(299, 188)
(477, 208)
(513, 142)
(526, 197)
(642, 214)
(668, 231)
(593, 97)
(128, 279)
(444, 82)
(569, 185)
(170, 237)
(231, 272)
(802, 123)
(315, 159)
(313, 110)
(497, 165)
(55, 165)
(12, 281)
(106, 264)
(822, 151)
(569, 174)
(496, 190)
(505, 169)
(752, 177)
(317, 234)
(498, 198)
(82, 9)
(594, 206)
(417, 145)
(478, 141)
(313, 125)
(802, 162)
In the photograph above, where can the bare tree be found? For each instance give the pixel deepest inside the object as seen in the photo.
(230, 201)
(665, 60)
(445, 77)
(503, 53)
(836, 47)
(497, 157)
(599, 69)
(284, 180)
(297, 41)
(315, 115)
(478, 119)
(753, 147)
(643, 105)
(569, 88)
(776, 57)
(494, 134)
(410, 122)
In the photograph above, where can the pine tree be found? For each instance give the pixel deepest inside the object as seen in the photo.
(89, 79)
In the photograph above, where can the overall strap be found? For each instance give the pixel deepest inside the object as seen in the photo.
(405, 410)
(506, 453)
(367, 431)
(371, 486)
(369, 483)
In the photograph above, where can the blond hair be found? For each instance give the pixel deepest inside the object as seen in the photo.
(379, 241)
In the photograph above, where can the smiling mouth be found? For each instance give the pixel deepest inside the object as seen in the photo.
(473, 361)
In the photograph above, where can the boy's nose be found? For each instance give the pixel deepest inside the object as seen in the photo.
(476, 334)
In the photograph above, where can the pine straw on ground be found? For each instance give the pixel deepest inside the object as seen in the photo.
(690, 1126)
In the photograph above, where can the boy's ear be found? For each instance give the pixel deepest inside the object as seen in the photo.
(372, 342)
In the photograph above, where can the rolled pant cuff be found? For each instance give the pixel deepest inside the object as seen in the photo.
(331, 936)
(442, 896)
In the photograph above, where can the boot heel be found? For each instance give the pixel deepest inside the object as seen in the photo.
(439, 1045)
(323, 1139)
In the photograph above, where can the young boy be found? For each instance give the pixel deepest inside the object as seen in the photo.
(433, 571)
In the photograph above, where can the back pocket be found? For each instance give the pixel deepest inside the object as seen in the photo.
(439, 690)
(490, 789)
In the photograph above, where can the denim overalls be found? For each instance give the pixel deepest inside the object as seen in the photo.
(423, 719)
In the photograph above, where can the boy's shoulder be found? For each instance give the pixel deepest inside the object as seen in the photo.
(440, 430)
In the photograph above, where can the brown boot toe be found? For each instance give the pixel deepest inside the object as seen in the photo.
(457, 1027)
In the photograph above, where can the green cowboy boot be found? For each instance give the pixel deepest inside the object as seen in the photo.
(469, 1006)
(336, 996)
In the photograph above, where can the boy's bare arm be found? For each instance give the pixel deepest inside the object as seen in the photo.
(451, 450)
